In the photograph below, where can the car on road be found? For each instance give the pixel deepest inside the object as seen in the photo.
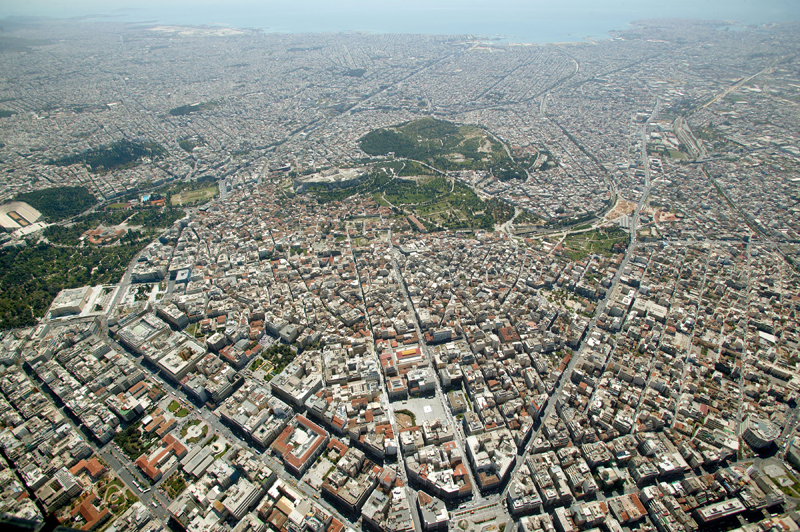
(154, 503)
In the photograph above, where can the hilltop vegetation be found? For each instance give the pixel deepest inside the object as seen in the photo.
(438, 202)
(191, 108)
(190, 143)
(355, 72)
(59, 203)
(445, 146)
(121, 154)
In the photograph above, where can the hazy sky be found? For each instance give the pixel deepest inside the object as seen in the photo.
(71, 7)
(382, 15)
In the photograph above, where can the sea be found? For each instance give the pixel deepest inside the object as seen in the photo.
(531, 21)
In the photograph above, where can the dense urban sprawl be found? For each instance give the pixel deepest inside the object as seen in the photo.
(298, 352)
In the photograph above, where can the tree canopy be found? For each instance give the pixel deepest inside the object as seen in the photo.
(58, 203)
(121, 154)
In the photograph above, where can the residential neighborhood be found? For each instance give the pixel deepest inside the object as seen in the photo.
(300, 350)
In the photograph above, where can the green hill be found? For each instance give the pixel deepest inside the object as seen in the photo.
(121, 154)
(192, 108)
(445, 146)
(59, 203)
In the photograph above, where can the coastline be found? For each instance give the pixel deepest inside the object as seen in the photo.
(517, 26)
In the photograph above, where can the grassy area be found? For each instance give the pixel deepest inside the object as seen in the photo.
(112, 486)
(187, 197)
(412, 168)
(111, 490)
(438, 202)
(173, 406)
(182, 412)
(441, 203)
(221, 454)
(186, 427)
(133, 442)
(202, 435)
(175, 485)
(116, 496)
(445, 146)
(791, 491)
(194, 439)
(123, 503)
(597, 242)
